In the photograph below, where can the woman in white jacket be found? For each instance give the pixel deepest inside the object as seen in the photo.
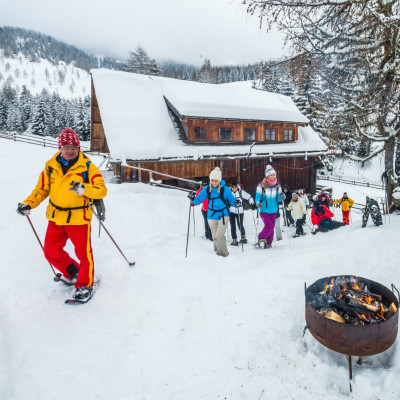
(298, 212)
(237, 213)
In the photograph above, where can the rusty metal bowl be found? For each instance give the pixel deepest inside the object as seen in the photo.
(353, 340)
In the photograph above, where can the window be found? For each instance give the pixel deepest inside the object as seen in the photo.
(249, 134)
(225, 133)
(288, 134)
(200, 132)
(270, 134)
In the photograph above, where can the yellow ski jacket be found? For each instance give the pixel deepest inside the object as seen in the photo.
(346, 203)
(65, 207)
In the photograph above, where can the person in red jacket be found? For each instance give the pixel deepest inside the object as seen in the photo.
(322, 217)
(204, 208)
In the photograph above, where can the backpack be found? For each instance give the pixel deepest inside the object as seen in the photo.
(221, 196)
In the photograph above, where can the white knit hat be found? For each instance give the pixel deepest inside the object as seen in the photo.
(216, 174)
(269, 170)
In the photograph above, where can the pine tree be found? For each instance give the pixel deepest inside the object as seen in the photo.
(207, 73)
(138, 61)
(39, 121)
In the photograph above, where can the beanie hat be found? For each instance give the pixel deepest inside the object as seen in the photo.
(234, 183)
(216, 174)
(68, 137)
(316, 204)
(294, 194)
(301, 191)
(269, 170)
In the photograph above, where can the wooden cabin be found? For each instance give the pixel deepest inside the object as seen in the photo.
(185, 129)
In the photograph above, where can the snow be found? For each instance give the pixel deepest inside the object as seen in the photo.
(65, 79)
(138, 127)
(201, 327)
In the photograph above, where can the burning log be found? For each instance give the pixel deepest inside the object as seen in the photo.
(335, 316)
(393, 308)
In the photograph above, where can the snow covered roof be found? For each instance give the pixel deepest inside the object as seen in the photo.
(138, 126)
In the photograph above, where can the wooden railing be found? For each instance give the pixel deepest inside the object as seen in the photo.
(153, 181)
(350, 182)
(32, 139)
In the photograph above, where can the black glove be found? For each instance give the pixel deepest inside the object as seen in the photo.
(237, 203)
(253, 206)
(259, 204)
(23, 209)
(191, 195)
(77, 187)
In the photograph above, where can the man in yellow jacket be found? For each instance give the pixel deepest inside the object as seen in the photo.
(346, 203)
(69, 179)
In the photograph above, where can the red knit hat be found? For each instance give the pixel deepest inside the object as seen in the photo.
(68, 137)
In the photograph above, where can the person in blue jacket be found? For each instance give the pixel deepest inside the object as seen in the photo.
(268, 195)
(220, 198)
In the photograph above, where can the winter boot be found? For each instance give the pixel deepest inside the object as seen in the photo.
(234, 243)
(296, 235)
(244, 240)
(83, 293)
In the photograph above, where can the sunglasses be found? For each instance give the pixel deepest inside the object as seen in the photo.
(70, 147)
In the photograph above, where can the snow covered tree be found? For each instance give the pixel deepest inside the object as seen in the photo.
(39, 121)
(186, 76)
(360, 38)
(207, 73)
(140, 63)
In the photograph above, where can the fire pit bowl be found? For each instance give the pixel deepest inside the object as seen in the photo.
(353, 340)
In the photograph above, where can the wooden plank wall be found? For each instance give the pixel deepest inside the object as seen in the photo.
(98, 140)
(298, 173)
(238, 128)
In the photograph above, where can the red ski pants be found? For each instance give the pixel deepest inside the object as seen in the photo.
(54, 243)
(346, 217)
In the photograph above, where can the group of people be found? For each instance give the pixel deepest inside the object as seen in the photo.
(73, 184)
(222, 204)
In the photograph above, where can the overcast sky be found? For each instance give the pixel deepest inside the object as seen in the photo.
(180, 30)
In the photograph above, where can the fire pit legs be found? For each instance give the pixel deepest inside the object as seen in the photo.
(350, 372)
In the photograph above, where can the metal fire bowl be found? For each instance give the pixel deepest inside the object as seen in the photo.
(354, 340)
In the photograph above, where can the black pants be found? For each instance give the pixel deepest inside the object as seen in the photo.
(299, 227)
(235, 218)
(206, 226)
(289, 217)
(325, 228)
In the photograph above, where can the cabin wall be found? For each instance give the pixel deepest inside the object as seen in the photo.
(296, 172)
(238, 130)
(98, 140)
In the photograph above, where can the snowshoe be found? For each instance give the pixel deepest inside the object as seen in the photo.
(82, 295)
(244, 240)
(262, 244)
(67, 281)
(234, 243)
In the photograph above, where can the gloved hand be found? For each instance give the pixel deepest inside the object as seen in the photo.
(77, 187)
(253, 206)
(259, 204)
(283, 196)
(191, 195)
(237, 203)
(23, 209)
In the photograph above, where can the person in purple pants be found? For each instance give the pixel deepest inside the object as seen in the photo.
(268, 195)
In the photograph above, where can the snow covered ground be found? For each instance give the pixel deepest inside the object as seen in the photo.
(201, 327)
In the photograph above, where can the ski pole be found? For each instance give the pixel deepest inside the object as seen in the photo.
(187, 236)
(37, 237)
(258, 219)
(285, 216)
(194, 224)
(241, 231)
(131, 264)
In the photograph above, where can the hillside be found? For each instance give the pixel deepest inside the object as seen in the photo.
(176, 328)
